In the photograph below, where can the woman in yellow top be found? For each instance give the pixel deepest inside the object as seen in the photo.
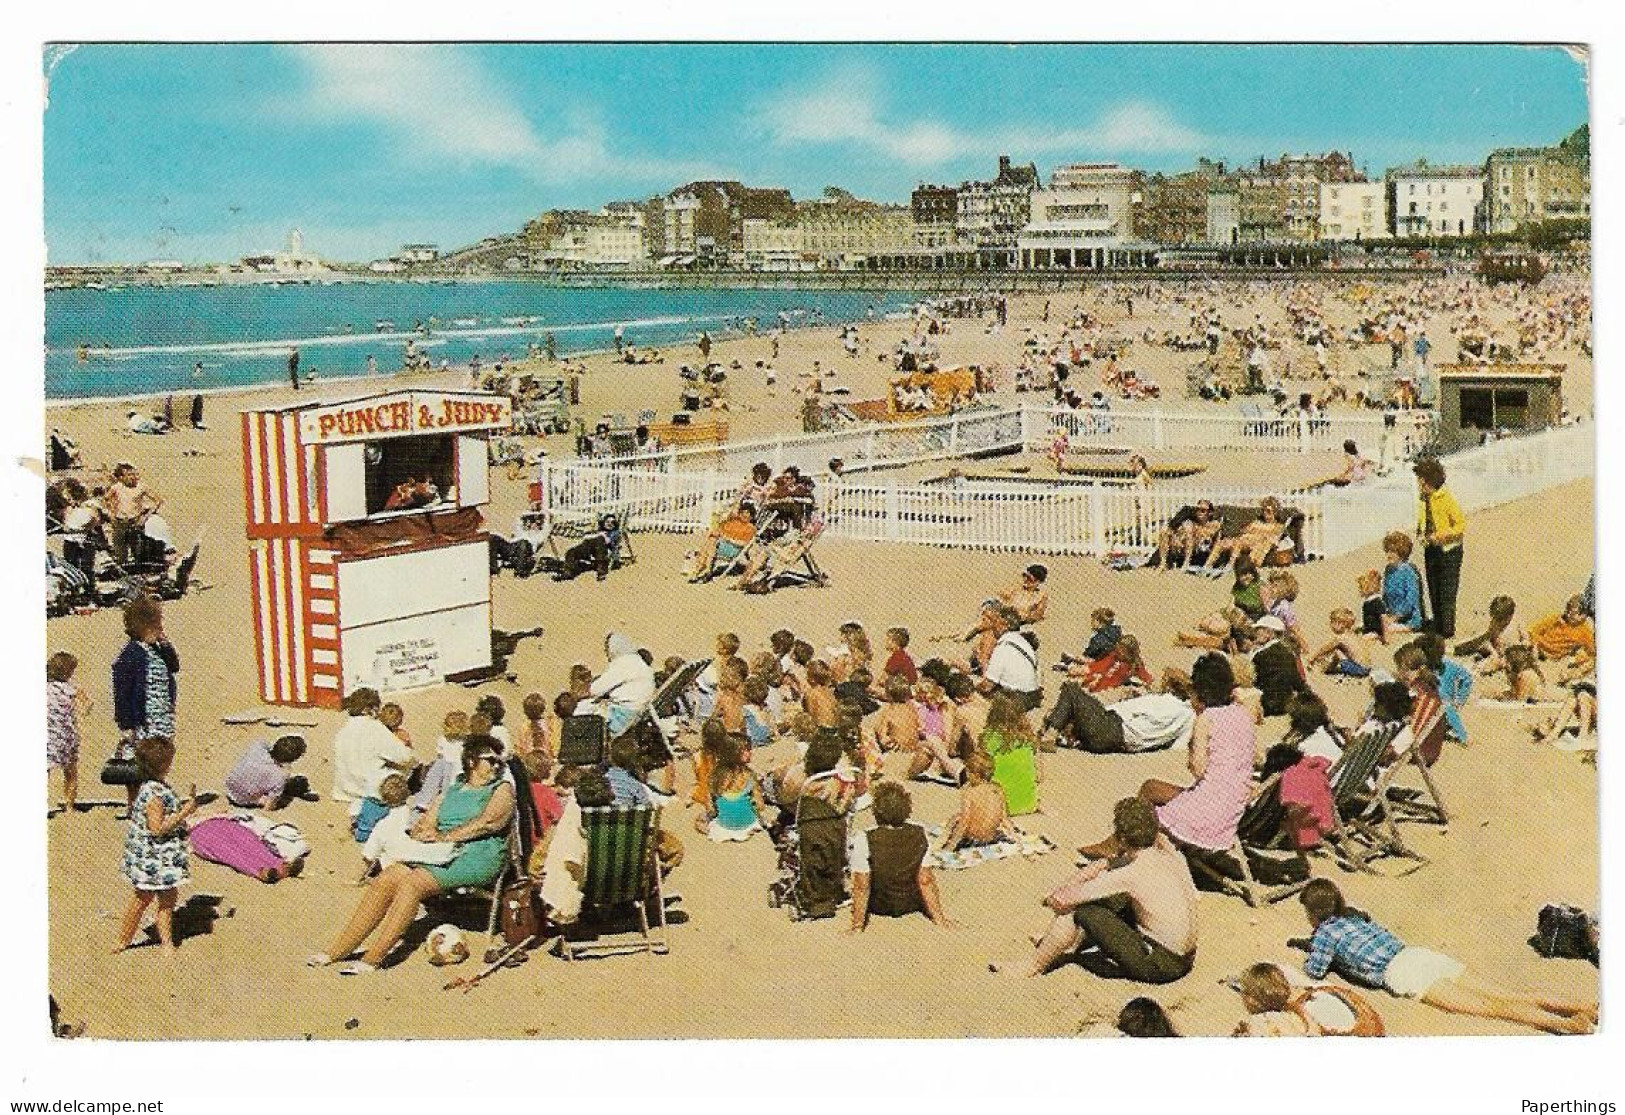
(1440, 527)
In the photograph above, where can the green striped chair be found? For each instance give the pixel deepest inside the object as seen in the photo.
(622, 869)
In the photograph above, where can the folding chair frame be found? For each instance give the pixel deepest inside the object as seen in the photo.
(1248, 888)
(657, 945)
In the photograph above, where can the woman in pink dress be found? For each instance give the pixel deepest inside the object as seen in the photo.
(1205, 815)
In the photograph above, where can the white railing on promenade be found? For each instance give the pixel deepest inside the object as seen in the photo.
(971, 432)
(1247, 428)
(1482, 477)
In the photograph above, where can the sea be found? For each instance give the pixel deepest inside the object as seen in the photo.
(120, 342)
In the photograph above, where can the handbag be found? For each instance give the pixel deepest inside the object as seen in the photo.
(1564, 932)
(122, 770)
(519, 914)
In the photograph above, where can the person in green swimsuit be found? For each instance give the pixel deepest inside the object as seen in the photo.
(473, 813)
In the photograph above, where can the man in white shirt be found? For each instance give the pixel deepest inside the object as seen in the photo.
(1146, 722)
(364, 751)
(1012, 667)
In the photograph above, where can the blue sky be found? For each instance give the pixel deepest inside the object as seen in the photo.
(205, 153)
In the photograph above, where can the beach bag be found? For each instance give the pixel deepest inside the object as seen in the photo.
(122, 769)
(1565, 932)
(119, 771)
(519, 916)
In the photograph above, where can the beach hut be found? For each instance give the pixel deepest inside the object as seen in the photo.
(368, 564)
(1476, 400)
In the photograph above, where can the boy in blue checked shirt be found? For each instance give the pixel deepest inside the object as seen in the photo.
(1357, 948)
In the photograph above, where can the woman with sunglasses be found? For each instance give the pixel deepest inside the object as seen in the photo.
(1193, 536)
(473, 813)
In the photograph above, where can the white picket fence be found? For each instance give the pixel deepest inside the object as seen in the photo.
(1061, 517)
(972, 432)
(1052, 518)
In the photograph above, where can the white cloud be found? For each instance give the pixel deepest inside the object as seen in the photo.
(439, 105)
(847, 107)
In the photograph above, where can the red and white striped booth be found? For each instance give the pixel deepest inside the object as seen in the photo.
(367, 562)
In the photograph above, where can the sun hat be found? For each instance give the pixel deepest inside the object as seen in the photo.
(1272, 623)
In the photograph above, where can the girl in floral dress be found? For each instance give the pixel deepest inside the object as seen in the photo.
(63, 707)
(155, 858)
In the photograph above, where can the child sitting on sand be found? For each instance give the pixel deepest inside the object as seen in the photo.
(729, 706)
(1280, 595)
(1370, 585)
(393, 717)
(734, 806)
(1524, 678)
(388, 838)
(898, 662)
(392, 792)
(760, 727)
(1276, 1010)
(448, 761)
(1362, 951)
(897, 727)
(535, 735)
(982, 817)
(1346, 655)
(1486, 648)
(1566, 635)
(818, 694)
(1227, 630)
(1104, 633)
(889, 875)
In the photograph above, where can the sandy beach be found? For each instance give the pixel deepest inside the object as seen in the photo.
(738, 968)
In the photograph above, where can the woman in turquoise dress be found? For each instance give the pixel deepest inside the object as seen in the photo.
(474, 813)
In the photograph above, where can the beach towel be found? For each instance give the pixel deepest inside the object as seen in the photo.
(231, 843)
(1028, 846)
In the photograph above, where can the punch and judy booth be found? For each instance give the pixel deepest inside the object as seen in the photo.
(368, 562)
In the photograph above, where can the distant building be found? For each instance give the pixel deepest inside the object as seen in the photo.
(935, 210)
(992, 214)
(1175, 207)
(706, 219)
(293, 260)
(1223, 213)
(418, 253)
(1084, 220)
(1353, 211)
(1528, 185)
(1436, 201)
(1279, 200)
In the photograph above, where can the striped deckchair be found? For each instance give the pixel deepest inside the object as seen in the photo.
(1352, 777)
(1259, 841)
(622, 869)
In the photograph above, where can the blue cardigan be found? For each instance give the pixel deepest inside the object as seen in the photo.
(130, 682)
(1402, 594)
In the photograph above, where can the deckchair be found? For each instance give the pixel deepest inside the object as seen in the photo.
(515, 856)
(1263, 815)
(1365, 813)
(728, 567)
(622, 869)
(792, 563)
(1351, 779)
(1408, 801)
(665, 704)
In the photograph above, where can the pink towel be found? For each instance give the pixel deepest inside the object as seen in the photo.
(227, 841)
